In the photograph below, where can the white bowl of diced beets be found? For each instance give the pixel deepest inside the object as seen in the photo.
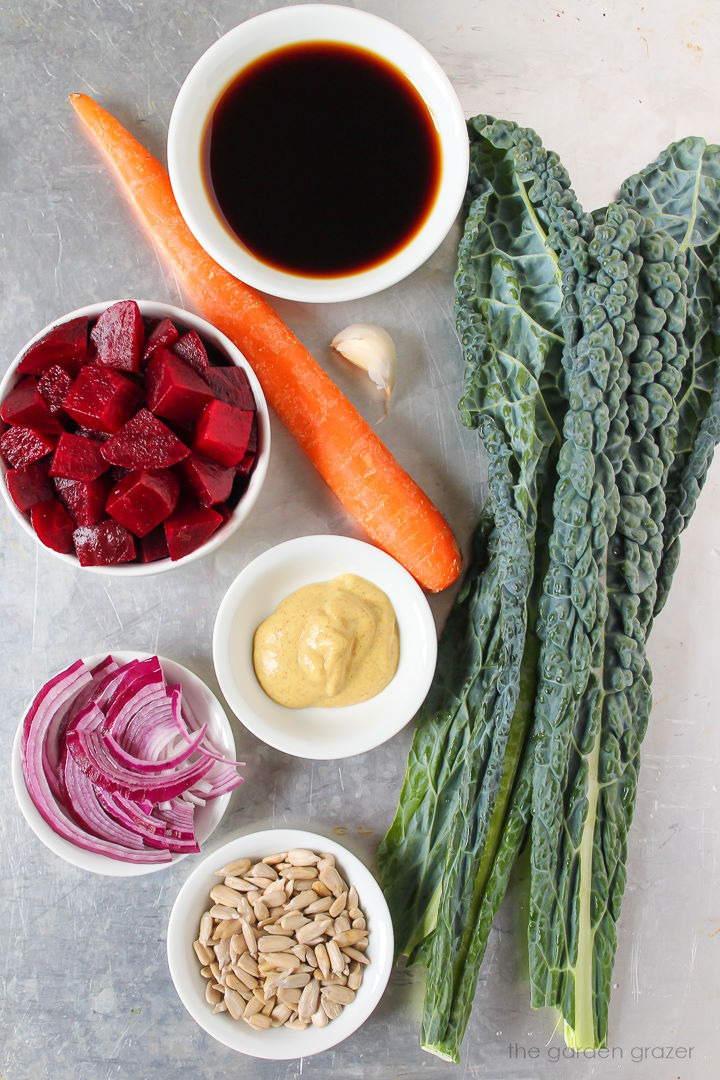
(135, 437)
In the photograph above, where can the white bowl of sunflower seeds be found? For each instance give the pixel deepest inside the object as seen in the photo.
(280, 944)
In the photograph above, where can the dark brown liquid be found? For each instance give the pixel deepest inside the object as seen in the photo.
(322, 158)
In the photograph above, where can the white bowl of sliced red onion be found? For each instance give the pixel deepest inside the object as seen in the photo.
(124, 764)
(136, 437)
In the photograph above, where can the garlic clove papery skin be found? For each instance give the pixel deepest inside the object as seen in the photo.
(370, 348)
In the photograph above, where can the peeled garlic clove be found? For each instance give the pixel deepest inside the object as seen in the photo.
(370, 348)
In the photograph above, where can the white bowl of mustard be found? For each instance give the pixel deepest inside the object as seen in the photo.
(324, 730)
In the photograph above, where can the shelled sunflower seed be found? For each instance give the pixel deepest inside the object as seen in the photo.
(283, 941)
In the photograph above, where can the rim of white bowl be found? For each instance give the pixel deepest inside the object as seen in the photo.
(156, 309)
(282, 1044)
(356, 736)
(258, 36)
(210, 815)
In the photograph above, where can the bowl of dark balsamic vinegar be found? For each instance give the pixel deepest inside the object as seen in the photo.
(318, 153)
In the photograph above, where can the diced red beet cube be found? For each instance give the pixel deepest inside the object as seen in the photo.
(239, 488)
(247, 462)
(144, 442)
(154, 546)
(191, 349)
(184, 432)
(65, 345)
(30, 485)
(118, 336)
(173, 389)
(105, 544)
(188, 527)
(252, 446)
(84, 499)
(162, 335)
(143, 499)
(54, 386)
(231, 384)
(78, 458)
(224, 511)
(86, 433)
(101, 399)
(26, 405)
(53, 525)
(209, 482)
(22, 445)
(116, 474)
(223, 432)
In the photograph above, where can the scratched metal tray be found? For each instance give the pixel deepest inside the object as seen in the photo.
(85, 991)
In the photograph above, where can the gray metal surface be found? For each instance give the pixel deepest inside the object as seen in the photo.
(84, 986)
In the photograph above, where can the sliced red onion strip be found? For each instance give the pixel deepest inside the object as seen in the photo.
(145, 765)
(54, 696)
(151, 832)
(135, 811)
(210, 749)
(118, 719)
(89, 813)
(90, 750)
(149, 730)
(103, 694)
(196, 800)
(54, 743)
(180, 827)
(137, 675)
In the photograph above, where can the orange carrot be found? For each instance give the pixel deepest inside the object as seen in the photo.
(371, 485)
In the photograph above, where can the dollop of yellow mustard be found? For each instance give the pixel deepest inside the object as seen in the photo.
(328, 644)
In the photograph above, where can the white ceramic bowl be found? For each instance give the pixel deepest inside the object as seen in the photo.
(277, 1044)
(152, 309)
(322, 733)
(198, 702)
(287, 26)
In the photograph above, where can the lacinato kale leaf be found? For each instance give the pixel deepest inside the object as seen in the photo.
(578, 878)
(522, 219)
(592, 352)
(679, 194)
